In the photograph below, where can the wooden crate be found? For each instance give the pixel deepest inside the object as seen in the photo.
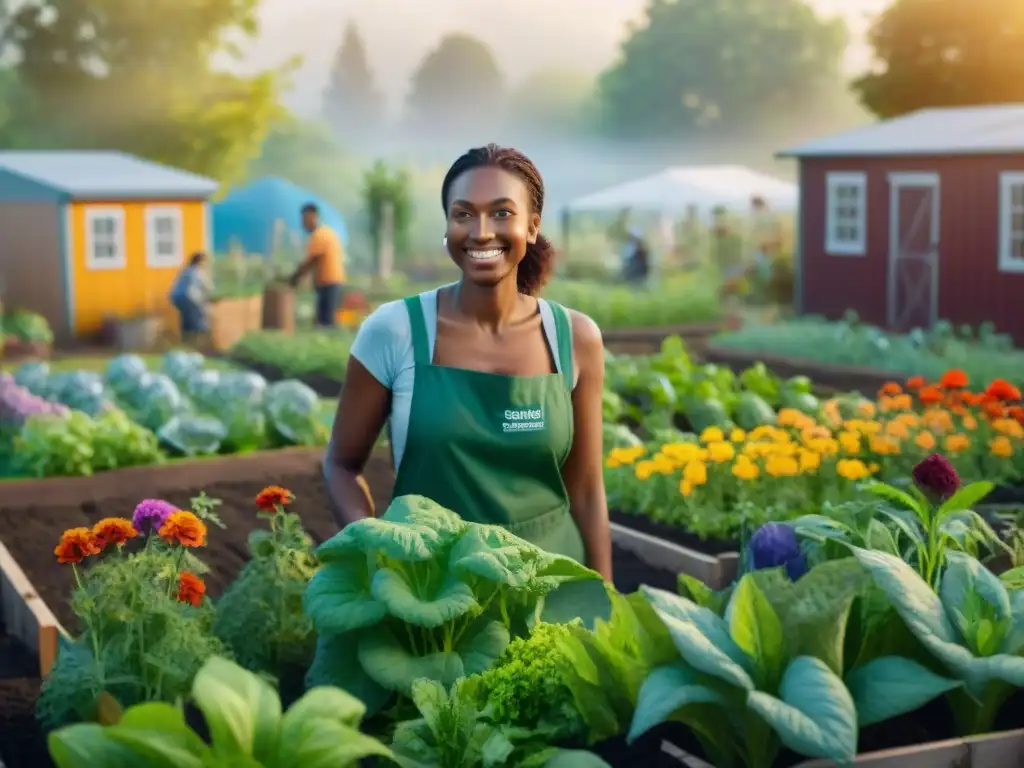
(717, 571)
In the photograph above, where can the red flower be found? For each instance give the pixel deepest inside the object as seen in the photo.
(954, 379)
(930, 395)
(1003, 390)
(890, 389)
(274, 497)
(936, 477)
(190, 589)
(76, 544)
(915, 382)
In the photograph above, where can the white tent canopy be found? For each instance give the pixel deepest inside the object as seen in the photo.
(673, 190)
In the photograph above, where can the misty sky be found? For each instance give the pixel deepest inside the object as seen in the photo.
(526, 36)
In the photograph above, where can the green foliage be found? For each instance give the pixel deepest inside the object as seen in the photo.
(458, 81)
(695, 67)
(324, 353)
(383, 186)
(944, 53)
(352, 105)
(260, 616)
(139, 643)
(27, 326)
(246, 726)
(420, 592)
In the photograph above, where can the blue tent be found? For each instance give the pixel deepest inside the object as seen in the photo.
(248, 215)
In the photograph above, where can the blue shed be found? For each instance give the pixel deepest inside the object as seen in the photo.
(248, 215)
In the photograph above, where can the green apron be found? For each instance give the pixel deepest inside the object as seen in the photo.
(491, 447)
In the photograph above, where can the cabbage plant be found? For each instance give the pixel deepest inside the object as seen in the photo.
(294, 413)
(421, 593)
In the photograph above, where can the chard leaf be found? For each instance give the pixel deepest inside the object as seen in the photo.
(965, 498)
(421, 511)
(90, 744)
(965, 576)
(906, 522)
(242, 710)
(879, 537)
(574, 758)
(482, 644)
(890, 686)
(326, 743)
(451, 599)
(755, 627)
(1014, 641)
(157, 734)
(666, 690)
(897, 496)
(336, 663)
(338, 597)
(495, 555)
(814, 714)
(702, 638)
(394, 668)
(404, 542)
(586, 600)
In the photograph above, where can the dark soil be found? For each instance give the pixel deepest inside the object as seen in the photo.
(629, 572)
(22, 744)
(1006, 494)
(673, 533)
(324, 386)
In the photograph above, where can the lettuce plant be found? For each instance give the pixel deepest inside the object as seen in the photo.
(972, 626)
(770, 672)
(420, 593)
(246, 726)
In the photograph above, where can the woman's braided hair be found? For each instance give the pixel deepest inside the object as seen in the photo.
(536, 267)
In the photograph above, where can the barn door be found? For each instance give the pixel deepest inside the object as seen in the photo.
(913, 250)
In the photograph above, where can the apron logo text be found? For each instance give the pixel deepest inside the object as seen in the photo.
(523, 420)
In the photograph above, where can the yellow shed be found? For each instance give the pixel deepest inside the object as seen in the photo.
(87, 235)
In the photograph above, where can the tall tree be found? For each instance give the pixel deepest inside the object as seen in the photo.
(352, 104)
(700, 67)
(945, 53)
(457, 83)
(139, 77)
(553, 101)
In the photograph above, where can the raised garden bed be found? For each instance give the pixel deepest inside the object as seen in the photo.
(647, 341)
(324, 386)
(16, 350)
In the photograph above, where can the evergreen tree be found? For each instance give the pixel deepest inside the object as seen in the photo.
(352, 105)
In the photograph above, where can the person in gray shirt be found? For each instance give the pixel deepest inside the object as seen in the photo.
(191, 296)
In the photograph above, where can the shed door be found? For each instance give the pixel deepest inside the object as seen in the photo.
(913, 250)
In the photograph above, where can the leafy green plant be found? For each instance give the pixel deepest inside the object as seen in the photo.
(772, 670)
(420, 592)
(973, 627)
(246, 725)
(260, 616)
(453, 731)
(321, 352)
(29, 327)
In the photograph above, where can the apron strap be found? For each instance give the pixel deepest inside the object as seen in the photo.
(418, 324)
(563, 331)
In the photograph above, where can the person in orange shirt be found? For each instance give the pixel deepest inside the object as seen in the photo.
(324, 257)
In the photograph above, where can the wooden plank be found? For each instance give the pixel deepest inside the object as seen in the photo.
(25, 615)
(717, 571)
(999, 750)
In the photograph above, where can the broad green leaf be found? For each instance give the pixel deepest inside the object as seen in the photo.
(666, 690)
(965, 498)
(963, 576)
(696, 590)
(911, 596)
(328, 743)
(243, 711)
(575, 758)
(421, 511)
(814, 714)
(561, 569)
(1014, 641)
(419, 606)
(158, 735)
(906, 522)
(703, 654)
(321, 703)
(497, 749)
(431, 700)
(393, 667)
(879, 537)
(1013, 579)
(585, 600)
(820, 527)
(755, 627)
(88, 744)
(890, 686)
(338, 597)
(895, 495)
(707, 623)
(336, 663)
(495, 555)
(483, 643)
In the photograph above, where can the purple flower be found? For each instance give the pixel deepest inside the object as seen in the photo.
(774, 545)
(936, 478)
(150, 514)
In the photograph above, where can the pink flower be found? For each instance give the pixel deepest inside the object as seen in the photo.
(150, 514)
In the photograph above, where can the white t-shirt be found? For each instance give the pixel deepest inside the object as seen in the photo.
(383, 345)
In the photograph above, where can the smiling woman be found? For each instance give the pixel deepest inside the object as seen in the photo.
(492, 395)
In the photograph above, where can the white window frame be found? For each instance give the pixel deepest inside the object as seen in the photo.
(120, 260)
(833, 183)
(154, 258)
(1008, 181)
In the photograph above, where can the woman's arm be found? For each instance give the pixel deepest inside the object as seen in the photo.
(584, 469)
(363, 408)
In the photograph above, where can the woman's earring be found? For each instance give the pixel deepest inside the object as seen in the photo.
(444, 242)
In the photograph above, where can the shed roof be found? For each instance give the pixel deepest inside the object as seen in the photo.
(105, 175)
(994, 129)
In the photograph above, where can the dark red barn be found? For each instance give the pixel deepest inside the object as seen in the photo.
(916, 219)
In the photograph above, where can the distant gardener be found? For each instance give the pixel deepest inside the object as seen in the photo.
(325, 257)
(492, 394)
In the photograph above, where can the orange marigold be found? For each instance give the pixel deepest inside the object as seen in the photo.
(1016, 412)
(183, 528)
(954, 378)
(1003, 390)
(272, 497)
(190, 589)
(930, 395)
(113, 530)
(914, 383)
(76, 544)
(890, 389)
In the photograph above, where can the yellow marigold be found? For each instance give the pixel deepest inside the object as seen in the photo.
(898, 430)
(823, 446)
(643, 470)
(902, 403)
(957, 443)
(866, 409)
(816, 432)
(737, 435)
(791, 417)
(925, 440)
(764, 432)
(682, 453)
(886, 446)
(1001, 446)
(626, 455)
(745, 469)
(696, 472)
(611, 462)
(809, 461)
(852, 469)
(938, 420)
(849, 441)
(1008, 427)
(969, 423)
(712, 435)
(663, 464)
(782, 466)
(721, 451)
(685, 487)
